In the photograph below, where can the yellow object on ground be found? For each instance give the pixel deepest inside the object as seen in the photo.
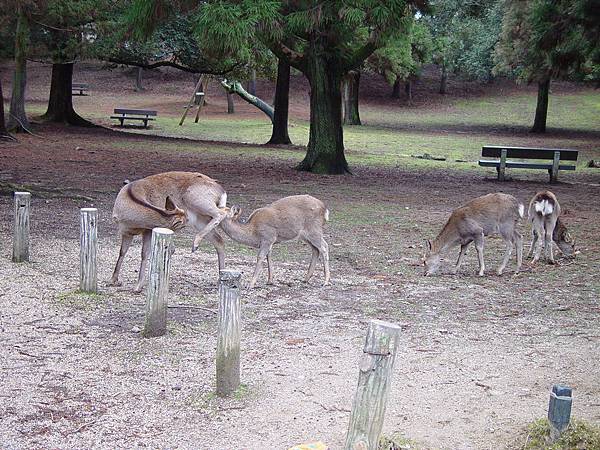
(310, 446)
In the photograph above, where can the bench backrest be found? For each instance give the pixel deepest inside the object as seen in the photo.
(495, 151)
(144, 112)
(79, 85)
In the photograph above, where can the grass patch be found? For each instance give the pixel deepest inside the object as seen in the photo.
(85, 301)
(579, 435)
(396, 442)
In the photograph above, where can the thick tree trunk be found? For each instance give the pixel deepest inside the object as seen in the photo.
(60, 103)
(138, 80)
(541, 111)
(17, 119)
(443, 80)
(3, 131)
(230, 104)
(351, 85)
(325, 152)
(252, 83)
(396, 88)
(282, 101)
(408, 90)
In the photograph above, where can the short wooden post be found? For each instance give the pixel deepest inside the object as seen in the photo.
(374, 380)
(502, 168)
(555, 165)
(158, 284)
(229, 331)
(21, 232)
(559, 410)
(88, 240)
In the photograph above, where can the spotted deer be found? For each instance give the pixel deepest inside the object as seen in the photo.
(483, 216)
(170, 200)
(544, 215)
(290, 218)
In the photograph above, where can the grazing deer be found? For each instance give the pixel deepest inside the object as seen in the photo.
(483, 216)
(544, 212)
(187, 197)
(296, 217)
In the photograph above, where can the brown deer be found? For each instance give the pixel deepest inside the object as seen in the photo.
(483, 216)
(544, 214)
(296, 217)
(188, 197)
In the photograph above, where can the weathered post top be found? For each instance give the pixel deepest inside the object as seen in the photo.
(559, 410)
(231, 278)
(380, 337)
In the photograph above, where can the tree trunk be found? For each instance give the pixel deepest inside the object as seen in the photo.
(282, 100)
(138, 80)
(351, 85)
(252, 83)
(396, 88)
(408, 90)
(444, 80)
(230, 105)
(541, 111)
(17, 119)
(3, 131)
(325, 151)
(60, 103)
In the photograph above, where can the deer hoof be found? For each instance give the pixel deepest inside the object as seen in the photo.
(115, 283)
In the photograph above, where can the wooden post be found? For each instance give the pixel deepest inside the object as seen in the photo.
(228, 339)
(559, 410)
(88, 240)
(158, 284)
(502, 168)
(21, 232)
(191, 102)
(374, 379)
(555, 164)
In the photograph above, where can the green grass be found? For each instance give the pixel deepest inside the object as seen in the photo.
(579, 435)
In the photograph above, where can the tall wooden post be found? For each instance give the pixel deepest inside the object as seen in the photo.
(374, 380)
(88, 240)
(158, 284)
(229, 330)
(559, 410)
(21, 231)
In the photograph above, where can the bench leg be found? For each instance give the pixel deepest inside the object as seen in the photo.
(554, 170)
(121, 120)
(502, 168)
(145, 124)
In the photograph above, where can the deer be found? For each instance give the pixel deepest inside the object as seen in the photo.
(544, 215)
(296, 217)
(188, 198)
(483, 216)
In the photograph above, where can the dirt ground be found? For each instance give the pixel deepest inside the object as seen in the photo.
(478, 355)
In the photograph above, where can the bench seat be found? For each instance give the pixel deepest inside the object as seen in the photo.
(524, 165)
(134, 114)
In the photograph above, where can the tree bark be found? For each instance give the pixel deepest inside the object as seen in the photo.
(138, 79)
(235, 87)
(541, 111)
(282, 101)
(325, 152)
(396, 88)
(17, 119)
(408, 90)
(3, 130)
(252, 83)
(230, 104)
(351, 85)
(443, 80)
(60, 103)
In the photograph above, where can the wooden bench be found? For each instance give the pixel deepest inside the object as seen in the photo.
(82, 88)
(554, 155)
(143, 115)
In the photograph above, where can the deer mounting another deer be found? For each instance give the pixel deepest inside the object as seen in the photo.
(188, 197)
(296, 217)
(483, 216)
(544, 215)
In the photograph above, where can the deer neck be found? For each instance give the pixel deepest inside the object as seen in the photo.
(447, 239)
(244, 233)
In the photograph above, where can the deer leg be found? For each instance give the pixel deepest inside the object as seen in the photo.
(519, 244)
(461, 255)
(220, 214)
(263, 251)
(324, 250)
(217, 241)
(313, 262)
(539, 230)
(125, 244)
(269, 268)
(479, 246)
(534, 239)
(507, 254)
(146, 240)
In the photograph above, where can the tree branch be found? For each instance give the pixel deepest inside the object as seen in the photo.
(168, 63)
(293, 58)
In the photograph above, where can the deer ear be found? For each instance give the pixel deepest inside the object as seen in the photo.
(235, 210)
(170, 205)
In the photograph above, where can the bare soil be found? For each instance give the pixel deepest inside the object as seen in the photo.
(478, 355)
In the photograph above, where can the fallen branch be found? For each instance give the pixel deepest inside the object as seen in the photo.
(235, 87)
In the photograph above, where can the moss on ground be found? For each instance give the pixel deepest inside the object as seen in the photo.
(579, 435)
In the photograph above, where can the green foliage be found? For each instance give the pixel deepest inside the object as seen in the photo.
(579, 434)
